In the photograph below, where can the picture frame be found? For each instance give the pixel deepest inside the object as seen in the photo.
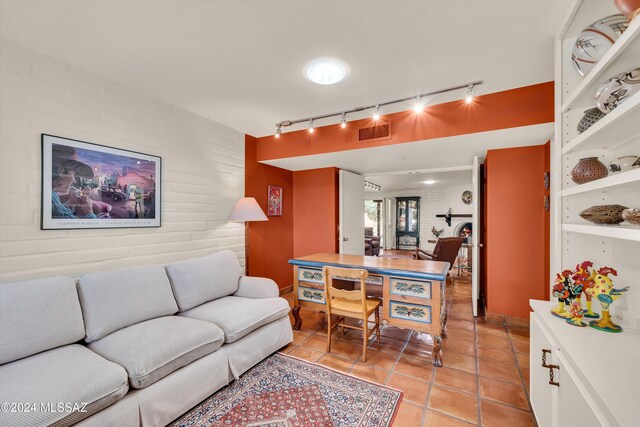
(274, 201)
(92, 186)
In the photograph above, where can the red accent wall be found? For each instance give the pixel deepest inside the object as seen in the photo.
(524, 106)
(271, 242)
(315, 211)
(516, 241)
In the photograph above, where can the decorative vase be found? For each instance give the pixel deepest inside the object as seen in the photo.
(588, 169)
(629, 8)
(591, 116)
(631, 215)
(595, 40)
(617, 89)
(604, 214)
(624, 163)
(605, 293)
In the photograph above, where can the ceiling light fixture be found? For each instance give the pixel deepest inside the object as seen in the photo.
(468, 96)
(372, 186)
(343, 121)
(278, 130)
(429, 182)
(326, 71)
(376, 115)
(418, 106)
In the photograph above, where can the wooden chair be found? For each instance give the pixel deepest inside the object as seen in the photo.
(353, 304)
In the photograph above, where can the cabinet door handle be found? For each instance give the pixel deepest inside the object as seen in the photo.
(551, 374)
(544, 357)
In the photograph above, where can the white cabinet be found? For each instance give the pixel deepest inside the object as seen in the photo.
(541, 391)
(596, 374)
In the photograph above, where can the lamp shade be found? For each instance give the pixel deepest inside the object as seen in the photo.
(247, 209)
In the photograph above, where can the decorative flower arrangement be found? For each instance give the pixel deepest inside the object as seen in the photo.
(593, 283)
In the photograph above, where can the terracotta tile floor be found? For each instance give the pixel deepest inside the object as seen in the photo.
(484, 381)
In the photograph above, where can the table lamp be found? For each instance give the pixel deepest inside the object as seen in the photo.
(247, 209)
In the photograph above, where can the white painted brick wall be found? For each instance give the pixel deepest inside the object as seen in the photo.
(203, 170)
(432, 202)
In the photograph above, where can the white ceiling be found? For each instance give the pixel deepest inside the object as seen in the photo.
(240, 62)
(411, 181)
(431, 155)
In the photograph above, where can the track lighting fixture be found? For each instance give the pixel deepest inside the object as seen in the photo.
(418, 107)
(468, 96)
(343, 121)
(376, 113)
(372, 186)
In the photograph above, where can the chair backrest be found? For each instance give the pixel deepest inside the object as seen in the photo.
(368, 231)
(447, 249)
(331, 292)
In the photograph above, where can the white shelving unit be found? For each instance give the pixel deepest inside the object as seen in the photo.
(574, 239)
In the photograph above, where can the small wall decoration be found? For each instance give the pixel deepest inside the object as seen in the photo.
(467, 197)
(87, 185)
(437, 232)
(274, 201)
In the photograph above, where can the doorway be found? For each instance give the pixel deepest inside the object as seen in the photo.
(373, 220)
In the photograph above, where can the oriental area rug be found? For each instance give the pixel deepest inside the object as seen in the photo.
(283, 391)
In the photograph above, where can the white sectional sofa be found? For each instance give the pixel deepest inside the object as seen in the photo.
(138, 346)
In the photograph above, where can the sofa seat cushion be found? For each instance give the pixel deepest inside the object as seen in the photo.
(151, 350)
(72, 374)
(238, 316)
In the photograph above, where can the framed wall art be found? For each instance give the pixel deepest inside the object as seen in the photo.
(274, 201)
(87, 185)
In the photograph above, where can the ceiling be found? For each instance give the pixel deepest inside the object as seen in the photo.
(412, 181)
(240, 62)
(433, 155)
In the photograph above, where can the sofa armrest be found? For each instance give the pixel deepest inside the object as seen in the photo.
(257, 287)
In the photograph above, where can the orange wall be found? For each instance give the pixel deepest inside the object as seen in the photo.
(516, 241)
(315, 211)
(523, 106)
(271, 242)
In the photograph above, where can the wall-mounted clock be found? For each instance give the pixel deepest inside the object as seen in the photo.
(466, 197)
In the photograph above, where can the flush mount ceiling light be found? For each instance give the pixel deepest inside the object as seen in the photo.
(419, 106)
(429, 182)
(326, 71)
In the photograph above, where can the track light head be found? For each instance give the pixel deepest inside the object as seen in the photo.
(311, 127)
(468, 96)
(376, 113)
(418, 106)
(343, 121)
(278, 130)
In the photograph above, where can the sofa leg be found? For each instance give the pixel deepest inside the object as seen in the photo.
(296, 315)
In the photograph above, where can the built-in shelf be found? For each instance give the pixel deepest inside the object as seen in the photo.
(613, 62)
(616, 128)
(617, 181)
(620, 231)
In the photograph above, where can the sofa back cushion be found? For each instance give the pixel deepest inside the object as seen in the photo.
(112, 300)
(198, 280)
(38, 315)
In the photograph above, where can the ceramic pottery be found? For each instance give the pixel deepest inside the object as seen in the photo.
(588, 169)
(595, 40)
(466, 197)
(631, 215)
(590, 117)
(623, 164)
(604, 214)
(617, 89)
(629, 8)
(437, 232)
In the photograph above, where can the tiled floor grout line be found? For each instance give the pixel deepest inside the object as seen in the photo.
(522, 380)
